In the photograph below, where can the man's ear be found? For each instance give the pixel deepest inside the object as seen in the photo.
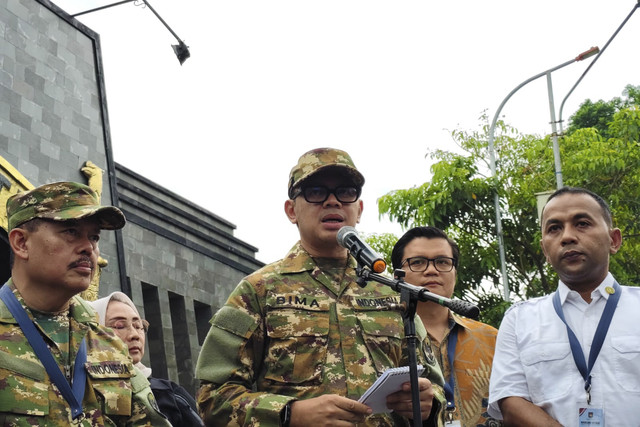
(544, 251)
(616, 240)
(359, 211)
(289, 210)
(18, 241)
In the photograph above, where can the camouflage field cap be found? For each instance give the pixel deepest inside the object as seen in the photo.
(61, 201)
(318, 159)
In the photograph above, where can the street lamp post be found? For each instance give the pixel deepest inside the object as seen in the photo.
(181, 49)
(556, 153)
(615, 33)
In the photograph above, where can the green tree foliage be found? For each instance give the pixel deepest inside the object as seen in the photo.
(459, 199)
(600, 114)
(383, 244)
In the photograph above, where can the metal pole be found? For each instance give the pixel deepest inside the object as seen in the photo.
(492, 165)
(181, 49)
(599, 52)
(162, 20)
(496, 201)
(554, 135)
(101, 8)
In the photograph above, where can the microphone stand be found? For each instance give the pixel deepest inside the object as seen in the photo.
(409, 297)
(409, 302)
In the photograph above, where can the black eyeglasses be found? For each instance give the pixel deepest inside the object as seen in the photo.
(320, 193)
(419, 264)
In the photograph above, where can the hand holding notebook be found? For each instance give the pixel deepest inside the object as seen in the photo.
(389, 382)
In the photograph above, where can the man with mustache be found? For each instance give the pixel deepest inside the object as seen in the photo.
(572, 358)
(299, 341)
(58, 366)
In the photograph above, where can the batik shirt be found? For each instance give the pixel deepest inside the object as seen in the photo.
(472, 369)
(293, 330)
(116, 393)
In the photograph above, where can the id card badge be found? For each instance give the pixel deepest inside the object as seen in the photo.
(449, 421)
(590, 416)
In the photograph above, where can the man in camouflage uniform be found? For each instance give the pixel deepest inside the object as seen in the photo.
(298, 341)
(54, 232)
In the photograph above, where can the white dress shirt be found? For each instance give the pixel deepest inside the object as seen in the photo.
(533, 359)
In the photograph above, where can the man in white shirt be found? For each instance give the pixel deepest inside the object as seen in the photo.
(584, 369)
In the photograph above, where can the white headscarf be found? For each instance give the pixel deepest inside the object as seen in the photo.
(100, 306)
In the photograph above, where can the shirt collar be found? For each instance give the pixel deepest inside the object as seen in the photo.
(455, 319)
(299, 260)
(80, 310)
(564, 290)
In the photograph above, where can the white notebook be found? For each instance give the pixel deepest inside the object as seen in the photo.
(389, 382)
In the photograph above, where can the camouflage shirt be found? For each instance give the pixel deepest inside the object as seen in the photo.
(293, 330)
(116, 394)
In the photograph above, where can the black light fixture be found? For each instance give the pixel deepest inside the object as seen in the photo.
(181, 49)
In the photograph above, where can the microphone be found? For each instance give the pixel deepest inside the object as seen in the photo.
(348, 238)
(464, 308)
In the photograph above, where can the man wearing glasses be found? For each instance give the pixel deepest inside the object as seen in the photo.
(464, 347)
(298, 342)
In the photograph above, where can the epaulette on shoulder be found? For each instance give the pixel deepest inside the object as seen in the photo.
(531, 301)
(514, 305)
(261, 272)
(88, 313)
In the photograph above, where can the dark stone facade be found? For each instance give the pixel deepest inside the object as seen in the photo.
(178, 261)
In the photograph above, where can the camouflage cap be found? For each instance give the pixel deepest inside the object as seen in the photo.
(61, 201)
(319, 159)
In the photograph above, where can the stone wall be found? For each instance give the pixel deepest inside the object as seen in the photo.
(178, 261)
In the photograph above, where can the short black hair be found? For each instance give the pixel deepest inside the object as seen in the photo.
(604, 207)
(428, 232)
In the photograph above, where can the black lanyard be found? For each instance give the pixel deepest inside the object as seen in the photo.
(72, 396)
(598, 338)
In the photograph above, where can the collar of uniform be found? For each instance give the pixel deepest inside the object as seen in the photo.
(5, 314)
(79, 309)
(82, 311)
(564, 290)
(299, 260)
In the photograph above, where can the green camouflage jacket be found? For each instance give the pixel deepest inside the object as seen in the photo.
(289, 332)
(116, 394)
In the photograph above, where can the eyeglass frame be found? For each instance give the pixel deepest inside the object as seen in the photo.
(301, 192)
(454, 263)
(129, 324)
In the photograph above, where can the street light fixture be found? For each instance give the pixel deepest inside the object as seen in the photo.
(181, 49)
(615, 33)
(492, 156)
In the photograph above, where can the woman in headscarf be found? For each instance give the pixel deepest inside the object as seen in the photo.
(118, 312)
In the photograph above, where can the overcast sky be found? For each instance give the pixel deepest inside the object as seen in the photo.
(386, 81)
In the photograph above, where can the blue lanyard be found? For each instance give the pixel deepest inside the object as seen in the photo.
(74, 395)
(598, 338)
(452, 341)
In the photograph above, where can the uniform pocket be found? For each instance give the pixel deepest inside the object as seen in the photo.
(383, 332)
(111, 381)
(297, 346)
(24, 390)
(627, 361)
(546, 365)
